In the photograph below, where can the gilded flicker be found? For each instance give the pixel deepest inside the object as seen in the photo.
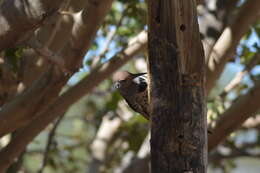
(133, 88)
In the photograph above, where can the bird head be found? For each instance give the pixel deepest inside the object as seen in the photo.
(124, 79)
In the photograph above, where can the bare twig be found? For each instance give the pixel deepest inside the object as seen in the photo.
(238, 78)
(49, 143)
(96, 60)
(16, 166)
(235, 152)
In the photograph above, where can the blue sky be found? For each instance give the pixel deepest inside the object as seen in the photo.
(232, 68)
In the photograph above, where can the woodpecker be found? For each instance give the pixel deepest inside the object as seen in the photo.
(133, 88)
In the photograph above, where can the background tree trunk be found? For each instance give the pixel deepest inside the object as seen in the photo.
(176, 68)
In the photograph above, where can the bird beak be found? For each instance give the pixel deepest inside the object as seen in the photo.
(139, 74)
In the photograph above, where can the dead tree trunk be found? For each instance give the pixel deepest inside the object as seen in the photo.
(177, 77)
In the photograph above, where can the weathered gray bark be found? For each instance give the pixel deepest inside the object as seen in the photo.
(177, 69)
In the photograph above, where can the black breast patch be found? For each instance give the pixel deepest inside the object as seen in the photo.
(142, 84)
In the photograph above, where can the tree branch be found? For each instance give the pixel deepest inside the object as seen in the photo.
(106, 131)
(110, 36)
(140, 163)
(17, 113)
(22, 139)
(229, 39)
(236, 152)
(244, 107)
(18, 17)
(84, 30)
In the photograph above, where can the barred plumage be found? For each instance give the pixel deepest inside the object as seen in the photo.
(133, 88)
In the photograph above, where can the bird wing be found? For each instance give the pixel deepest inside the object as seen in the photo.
(140, 104)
